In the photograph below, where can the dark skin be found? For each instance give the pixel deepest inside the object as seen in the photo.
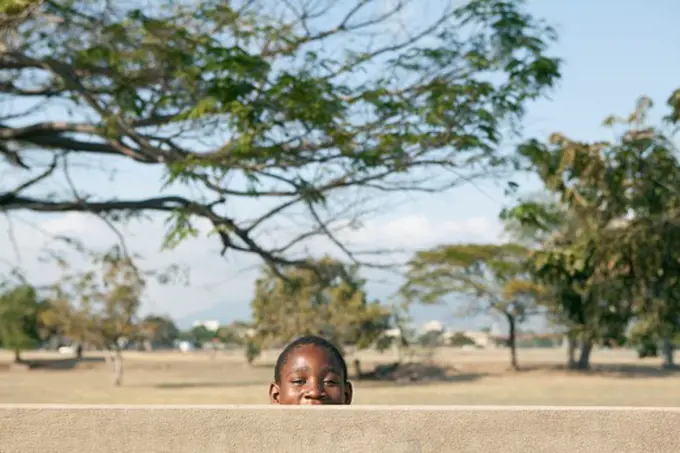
(310, 376)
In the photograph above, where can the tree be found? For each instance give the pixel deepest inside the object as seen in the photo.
(253, 351)
(431, 339)
(201, 335)
(19, 318)
(100, 305)
(492, 278)
(459, 339)
(583, 299)
(67, 319)
(328, 301)
(256, 101)
(158, 331)
(620, 261)
(14, 11)
(557, 236)
(235, 333)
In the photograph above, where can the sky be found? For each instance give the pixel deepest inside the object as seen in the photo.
(613, 53)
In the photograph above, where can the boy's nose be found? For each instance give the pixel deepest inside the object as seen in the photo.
(314, 390)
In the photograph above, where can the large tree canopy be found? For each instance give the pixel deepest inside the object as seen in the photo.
(616, 258)
(285, 103)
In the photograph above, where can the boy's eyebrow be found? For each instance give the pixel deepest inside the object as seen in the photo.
(330, 368)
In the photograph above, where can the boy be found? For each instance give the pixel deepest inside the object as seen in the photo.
(310, 370)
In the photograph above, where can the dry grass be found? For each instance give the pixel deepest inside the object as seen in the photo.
(478, 377)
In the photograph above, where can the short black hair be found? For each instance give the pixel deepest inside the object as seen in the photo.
(308, 340)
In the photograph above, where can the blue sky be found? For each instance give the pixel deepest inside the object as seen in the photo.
(613, 52)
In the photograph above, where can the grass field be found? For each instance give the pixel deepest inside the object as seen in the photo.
(473, 377)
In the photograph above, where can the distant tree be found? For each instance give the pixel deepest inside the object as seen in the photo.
(201, 335)
(491, 278)
(158, 331)
(459, 339)
(253, 350)
(20, 310)
(431, 339)
(70, 320)
(401, 333)
(100, 306)
(241, 326)
(330, 302)
(233, 334)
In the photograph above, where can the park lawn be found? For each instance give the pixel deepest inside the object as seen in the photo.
(478, 377)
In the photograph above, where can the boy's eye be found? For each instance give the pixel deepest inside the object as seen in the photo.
(297, 381)
(330, 382)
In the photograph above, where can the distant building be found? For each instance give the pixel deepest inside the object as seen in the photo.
(488, 339)
(211, 325)
(433, 326)
(185, 346)
(393, 333)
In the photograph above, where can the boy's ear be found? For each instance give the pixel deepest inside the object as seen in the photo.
(349, 392)
(274, 393)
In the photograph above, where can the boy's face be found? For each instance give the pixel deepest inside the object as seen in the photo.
(311, 375)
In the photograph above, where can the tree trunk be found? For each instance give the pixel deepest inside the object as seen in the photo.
(571, 351)
(512, 340)
(668, 351)
(17, 356)
(118, 368)
(116, 360)
(79, 351)
(584, 358)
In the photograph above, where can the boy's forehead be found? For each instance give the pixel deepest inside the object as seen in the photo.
(304, 354)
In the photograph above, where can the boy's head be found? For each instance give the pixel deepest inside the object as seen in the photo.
(310, 370)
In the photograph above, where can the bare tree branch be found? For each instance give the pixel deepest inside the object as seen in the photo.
(255, 104)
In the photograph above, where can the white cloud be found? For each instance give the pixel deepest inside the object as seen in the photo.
(418, 231)
(70, 223)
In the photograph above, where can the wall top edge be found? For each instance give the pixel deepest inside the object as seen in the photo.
(356, 408)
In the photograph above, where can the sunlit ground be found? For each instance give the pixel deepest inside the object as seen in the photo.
(473, 377)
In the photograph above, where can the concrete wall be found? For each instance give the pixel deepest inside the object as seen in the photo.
(385, 429)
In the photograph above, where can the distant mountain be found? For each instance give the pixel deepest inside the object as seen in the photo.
(228, 312)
